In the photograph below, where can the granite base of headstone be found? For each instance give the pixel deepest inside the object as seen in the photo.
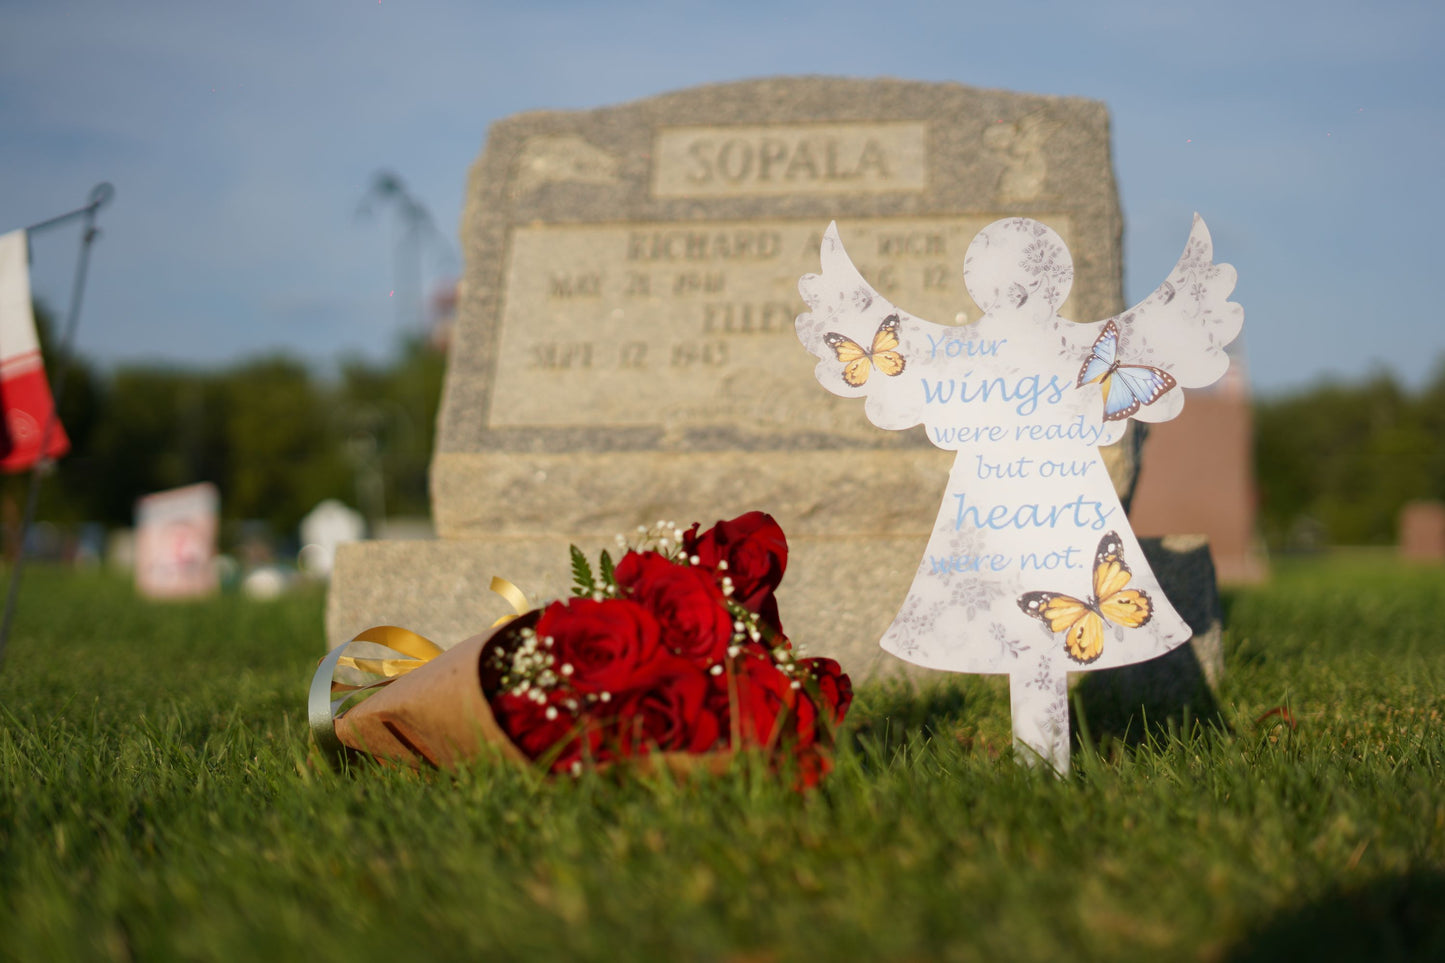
(1178, 688)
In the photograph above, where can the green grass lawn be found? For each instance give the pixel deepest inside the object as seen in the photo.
(157, 801)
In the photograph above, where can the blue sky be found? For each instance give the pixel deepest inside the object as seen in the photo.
(241, 138)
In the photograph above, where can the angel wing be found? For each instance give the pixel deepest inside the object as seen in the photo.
(1175, 338)
(863, 342)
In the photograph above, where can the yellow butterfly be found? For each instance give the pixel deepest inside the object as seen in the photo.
(1083, 622)
(858, 363)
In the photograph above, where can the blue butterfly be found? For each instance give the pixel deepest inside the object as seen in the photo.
(1127, 387)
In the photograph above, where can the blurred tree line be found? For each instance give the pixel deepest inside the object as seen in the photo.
(272, 435)
(1336, 462)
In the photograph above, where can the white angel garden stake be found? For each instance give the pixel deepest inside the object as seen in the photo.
(1032, 569)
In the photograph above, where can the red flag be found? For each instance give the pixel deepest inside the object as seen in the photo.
(24, 390)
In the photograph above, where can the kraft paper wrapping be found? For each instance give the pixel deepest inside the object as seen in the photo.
(435, 715)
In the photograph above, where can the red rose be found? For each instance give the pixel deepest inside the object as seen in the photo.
(752, 551)
(546, 730)
(831, 688)
(813, 765)
(767, 710)
(689, 607)
(598, 646)
(669, 712)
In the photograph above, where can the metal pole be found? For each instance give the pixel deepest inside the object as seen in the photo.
(99, 195)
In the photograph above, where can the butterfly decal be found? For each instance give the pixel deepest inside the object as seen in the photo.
(1082, 622)
(1127, 387)
(858, 363)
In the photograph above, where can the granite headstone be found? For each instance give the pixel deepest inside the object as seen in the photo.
(624, 347)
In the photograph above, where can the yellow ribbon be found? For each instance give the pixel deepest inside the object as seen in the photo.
(512, 594)
(416, 651)
(421, 650)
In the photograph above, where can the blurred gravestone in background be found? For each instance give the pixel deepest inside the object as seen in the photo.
(326, 527)
(1422, 531)
(1197, 476)
(624, 348)
(175, 542)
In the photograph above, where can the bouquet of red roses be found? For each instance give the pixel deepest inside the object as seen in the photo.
(673, 655)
